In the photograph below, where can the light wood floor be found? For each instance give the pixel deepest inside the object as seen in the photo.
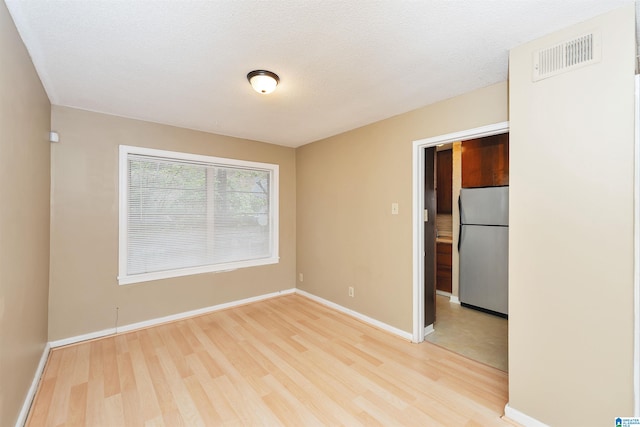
(283, 361)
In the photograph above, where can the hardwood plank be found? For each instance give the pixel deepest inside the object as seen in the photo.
(207, 412)
(95, 400)
(81, 365)
(174, 351)
(310, 392)
(131, 408)
(62, 388)
(155, 422)
(289, 410)
(113, 411)
(149, 409)
(110, 371)
(214, 394)
(283, 361)
(253, 410)
(177, 390)
(78, 404)
(210, 365)
(386, 406)
(96, 368)
(161, 387)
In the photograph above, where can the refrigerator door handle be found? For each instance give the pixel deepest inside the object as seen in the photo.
(460, 222)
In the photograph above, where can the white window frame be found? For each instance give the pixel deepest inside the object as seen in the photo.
(125, 150)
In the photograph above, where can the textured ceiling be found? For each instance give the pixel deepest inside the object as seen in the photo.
(342, 64)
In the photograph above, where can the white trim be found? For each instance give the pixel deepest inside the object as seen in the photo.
(418, 243)
(31, 393)
(418, 211)
(84, 337)
(359, 316)
(452, 298)
(479, 132)
(636, 257)
(429, 329)
(124, 150)
(123, 209)
(513, 414)
(170, 318)
(215, 268)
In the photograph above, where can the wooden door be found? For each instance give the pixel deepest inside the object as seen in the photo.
(444, 183)
(443, 267)
(430, 236)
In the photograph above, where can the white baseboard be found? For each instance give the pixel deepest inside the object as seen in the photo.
(452, 298)
(83, 337)
(378, 324)
(521, 418)
(165, 319)
(428, 330)
(31, 393)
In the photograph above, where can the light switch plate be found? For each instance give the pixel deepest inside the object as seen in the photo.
(394, 209)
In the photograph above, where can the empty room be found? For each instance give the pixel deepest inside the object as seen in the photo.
(226, 213)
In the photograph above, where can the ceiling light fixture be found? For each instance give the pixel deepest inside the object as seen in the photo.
(263, 81)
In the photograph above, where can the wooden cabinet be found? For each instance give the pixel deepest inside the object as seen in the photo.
(444, 183)
(443, 267)
(485, 161)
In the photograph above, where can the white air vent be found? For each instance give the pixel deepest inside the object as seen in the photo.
(566, 56)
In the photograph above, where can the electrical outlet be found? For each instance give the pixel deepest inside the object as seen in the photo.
(300, 277)
(351, 292)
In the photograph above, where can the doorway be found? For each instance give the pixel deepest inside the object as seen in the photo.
(464, 329)
(421, 312)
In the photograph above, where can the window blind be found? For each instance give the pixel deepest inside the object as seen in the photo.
(184, 214)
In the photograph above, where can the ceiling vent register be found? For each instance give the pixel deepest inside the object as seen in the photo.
(566, 56)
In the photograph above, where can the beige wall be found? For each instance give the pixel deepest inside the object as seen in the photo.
(84, 292)
(346, 235)
(24, 220)
(571, 232)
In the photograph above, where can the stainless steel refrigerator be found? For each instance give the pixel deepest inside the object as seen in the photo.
(484, 248)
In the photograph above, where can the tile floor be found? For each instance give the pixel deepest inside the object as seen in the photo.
(474, 334)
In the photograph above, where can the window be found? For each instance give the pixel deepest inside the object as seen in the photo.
(184, 214)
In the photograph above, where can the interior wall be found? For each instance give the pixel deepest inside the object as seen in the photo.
(346, 234)
(84, 293)
(571, 231)
(25, 114)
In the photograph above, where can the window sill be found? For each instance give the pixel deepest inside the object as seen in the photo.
(218, 268)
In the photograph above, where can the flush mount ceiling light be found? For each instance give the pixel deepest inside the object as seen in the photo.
(263, 81)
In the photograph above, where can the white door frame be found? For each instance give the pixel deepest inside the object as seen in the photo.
(636, 256)
(418, 213)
